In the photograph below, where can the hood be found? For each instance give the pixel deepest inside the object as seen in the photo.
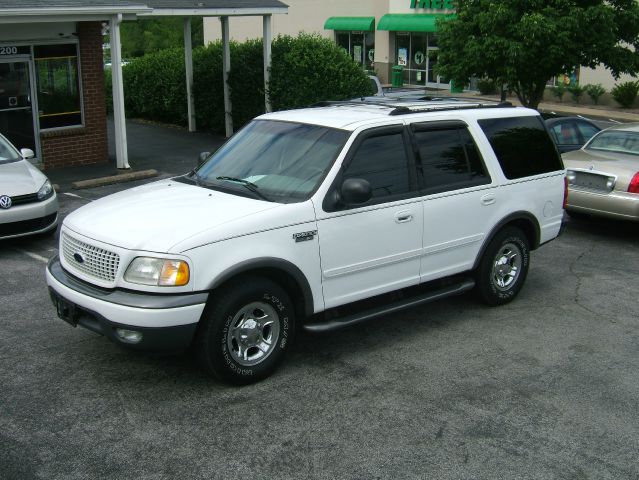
(20, 178)
(157, 216)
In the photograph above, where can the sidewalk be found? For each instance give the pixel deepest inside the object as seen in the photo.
(567, 107)
(169, 150)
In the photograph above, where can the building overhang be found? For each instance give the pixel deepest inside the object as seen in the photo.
(364, 24)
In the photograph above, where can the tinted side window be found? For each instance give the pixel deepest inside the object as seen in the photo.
(587, 131)
(450, 159)
(566, 133)
(383, 162)
(522, 145)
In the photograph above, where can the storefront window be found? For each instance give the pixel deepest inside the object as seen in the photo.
(58, 85)
(359, 45)
(417, 52)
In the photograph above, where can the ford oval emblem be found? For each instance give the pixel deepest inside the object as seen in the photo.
(5, 202)
(78, 258)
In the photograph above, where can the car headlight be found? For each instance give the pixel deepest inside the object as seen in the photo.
(45, 191)
(157, 272)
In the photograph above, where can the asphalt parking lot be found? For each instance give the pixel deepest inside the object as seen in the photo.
(545, 387)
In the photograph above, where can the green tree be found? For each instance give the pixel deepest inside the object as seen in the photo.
(148, 36)
(524, 43)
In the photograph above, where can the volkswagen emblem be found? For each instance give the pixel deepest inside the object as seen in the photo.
(78, 258)
(5, 202)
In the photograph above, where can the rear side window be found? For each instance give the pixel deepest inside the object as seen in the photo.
(449, 158)
(522, 146)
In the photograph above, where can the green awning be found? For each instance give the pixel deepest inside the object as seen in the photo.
(426, 22)
(366, 24)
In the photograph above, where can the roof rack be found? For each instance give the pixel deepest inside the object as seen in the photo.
(415, 108)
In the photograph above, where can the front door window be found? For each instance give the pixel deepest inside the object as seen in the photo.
(16, 112)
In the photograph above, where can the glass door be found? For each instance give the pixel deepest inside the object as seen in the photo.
(16, 110)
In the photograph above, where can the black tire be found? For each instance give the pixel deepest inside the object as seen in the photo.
(235, 330)
(503, 267)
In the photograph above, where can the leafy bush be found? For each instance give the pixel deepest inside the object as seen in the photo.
(595, 91)
(625, 93)
(304, 70)
(309, 68)
(486, 86)
(559, 91)
(576, 91)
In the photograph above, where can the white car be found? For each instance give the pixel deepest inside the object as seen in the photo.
(305, 212)
(28, 203)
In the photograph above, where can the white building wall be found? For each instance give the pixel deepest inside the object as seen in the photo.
(603, 76)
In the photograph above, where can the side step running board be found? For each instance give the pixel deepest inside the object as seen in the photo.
(353, 319)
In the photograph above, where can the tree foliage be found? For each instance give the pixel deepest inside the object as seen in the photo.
(524, 43)
(152, 35)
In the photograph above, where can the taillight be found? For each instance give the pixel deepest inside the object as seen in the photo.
(634, 184)
(566, 192)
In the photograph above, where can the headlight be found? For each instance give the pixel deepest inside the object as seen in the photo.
(157, 272)
(45, 191)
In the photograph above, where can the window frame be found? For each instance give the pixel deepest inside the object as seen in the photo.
(426, 126)
(331, 203)
(66, 41)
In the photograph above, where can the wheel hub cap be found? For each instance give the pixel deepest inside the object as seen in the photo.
(507, 266)
(253, 333)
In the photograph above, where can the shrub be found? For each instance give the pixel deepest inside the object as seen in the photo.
(576, 91)
(309, 68)
(304, 70)
(486, 86)
(559, 91)
(595, 91)
(625, 93)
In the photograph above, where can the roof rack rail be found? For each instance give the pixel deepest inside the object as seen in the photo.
(406, 110)
(436, 108)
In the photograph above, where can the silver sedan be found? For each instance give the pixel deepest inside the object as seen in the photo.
(603, 176)
(28, 203)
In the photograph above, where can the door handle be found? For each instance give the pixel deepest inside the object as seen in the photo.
(403, 216)
(488, 199)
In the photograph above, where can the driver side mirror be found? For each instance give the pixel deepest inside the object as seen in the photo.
(201, 158)
(27, 153)
(355, 191)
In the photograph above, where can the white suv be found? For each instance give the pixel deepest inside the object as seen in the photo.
(304, 212)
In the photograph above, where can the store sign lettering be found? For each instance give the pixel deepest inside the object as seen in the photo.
(433, 4)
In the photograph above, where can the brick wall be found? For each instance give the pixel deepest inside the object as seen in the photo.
(88, 144)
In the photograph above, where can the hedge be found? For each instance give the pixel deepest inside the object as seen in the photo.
(304, 70)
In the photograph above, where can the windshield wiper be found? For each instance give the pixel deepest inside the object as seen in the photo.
(248, 185)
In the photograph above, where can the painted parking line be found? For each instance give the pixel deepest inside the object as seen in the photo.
(73, 195)
(35, 256)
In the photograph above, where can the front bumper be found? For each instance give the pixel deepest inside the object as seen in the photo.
(166, 322)
(29, 219)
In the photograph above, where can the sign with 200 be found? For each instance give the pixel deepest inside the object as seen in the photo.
(13, 50)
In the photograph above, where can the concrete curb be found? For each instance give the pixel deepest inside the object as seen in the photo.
(120, 178)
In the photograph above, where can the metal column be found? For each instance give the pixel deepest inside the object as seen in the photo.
(121, 153)
(188, 65)
(226, 68)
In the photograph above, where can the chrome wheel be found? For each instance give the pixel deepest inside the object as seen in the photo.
(253, 333)
(507, 266)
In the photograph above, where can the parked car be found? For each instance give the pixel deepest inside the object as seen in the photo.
(570, 133)
(28, 203)
(302, 215)
(603, 177)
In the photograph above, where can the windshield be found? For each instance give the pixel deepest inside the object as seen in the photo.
(615, 141)
(273, 160)
(7, 152)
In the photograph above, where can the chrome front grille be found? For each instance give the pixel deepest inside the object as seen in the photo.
(89, 259)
